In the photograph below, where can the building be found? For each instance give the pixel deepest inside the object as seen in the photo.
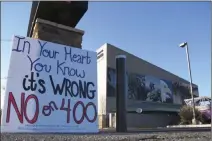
(156, 91)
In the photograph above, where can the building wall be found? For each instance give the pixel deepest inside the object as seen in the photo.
(139, 66)
(135, 66)
(154, 114)
(150, 120)
(159, 111)
(102, 80)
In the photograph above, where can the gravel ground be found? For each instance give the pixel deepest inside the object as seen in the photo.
(177, 136)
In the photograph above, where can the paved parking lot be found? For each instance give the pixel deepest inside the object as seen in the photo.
(108, 136)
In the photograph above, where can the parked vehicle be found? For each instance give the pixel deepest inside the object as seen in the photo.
(203, 104)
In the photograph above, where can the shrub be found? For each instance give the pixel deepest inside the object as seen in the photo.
(186, 115)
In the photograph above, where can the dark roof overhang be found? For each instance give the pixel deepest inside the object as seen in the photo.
(66, 13)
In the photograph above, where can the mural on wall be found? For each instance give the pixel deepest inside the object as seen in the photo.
(166, 91)
(149, 88)
(111, 82)
(184, 90)
(143, 88)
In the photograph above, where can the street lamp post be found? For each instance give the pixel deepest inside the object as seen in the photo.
(185, 44)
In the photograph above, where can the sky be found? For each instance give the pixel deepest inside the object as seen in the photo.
(149, 30)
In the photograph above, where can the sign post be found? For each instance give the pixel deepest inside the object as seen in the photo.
(50, 88)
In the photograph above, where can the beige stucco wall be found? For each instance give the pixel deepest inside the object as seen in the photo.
(57, 33)
(101, 86)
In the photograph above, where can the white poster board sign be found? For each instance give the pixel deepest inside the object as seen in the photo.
(50, 88)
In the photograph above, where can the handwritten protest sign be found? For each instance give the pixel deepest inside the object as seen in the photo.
(50, 88)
